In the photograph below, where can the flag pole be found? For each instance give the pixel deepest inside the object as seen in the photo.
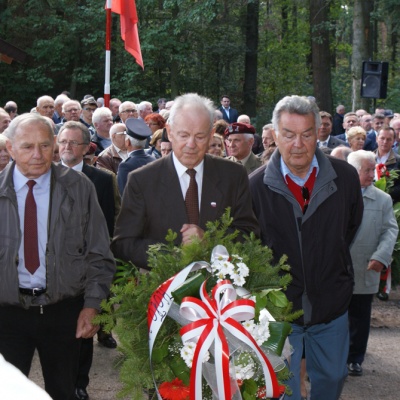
(108, 54)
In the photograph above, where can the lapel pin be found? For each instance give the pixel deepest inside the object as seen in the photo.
(213, 204)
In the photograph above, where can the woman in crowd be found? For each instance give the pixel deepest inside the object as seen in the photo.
(154, 121)
(155, 144)
(356, 137)
(217, 147)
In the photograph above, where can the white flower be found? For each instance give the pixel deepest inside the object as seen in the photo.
(187, 353)
(249, 325)
(243, 269)
(244, 366)
(238, 280)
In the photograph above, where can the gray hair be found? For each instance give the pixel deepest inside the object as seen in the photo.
(195, 102)
(100, 113)
(61, 99)
(341, 152)
(243, 118)
(33, 118)
(43, 98)
(295, 105)
(76, 125)
(356, 158)
(137, 142)
(3, 140)
(71, 102)
(267, 127)
(127, 104)
(143, 104)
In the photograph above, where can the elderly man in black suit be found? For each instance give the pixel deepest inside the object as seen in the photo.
(137, 134)
(73, 140)
(184, 190)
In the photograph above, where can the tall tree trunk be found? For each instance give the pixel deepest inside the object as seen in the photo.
(362, 48)
(250, 74)
(320, 52)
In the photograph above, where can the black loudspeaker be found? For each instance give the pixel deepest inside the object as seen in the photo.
(374, 79)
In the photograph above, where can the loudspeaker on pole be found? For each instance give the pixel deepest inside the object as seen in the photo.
(374, 79)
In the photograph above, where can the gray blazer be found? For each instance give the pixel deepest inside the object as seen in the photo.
(375, 239)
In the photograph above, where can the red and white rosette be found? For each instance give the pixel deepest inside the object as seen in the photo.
(210, 315)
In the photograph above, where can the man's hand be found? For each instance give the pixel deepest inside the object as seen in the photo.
(84, 328)
(189, 231)
(375, 266)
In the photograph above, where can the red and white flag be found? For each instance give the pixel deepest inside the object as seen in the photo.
(129, 30)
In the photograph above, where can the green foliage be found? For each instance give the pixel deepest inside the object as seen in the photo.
(187, 46)
(385, 183)
(132, 294)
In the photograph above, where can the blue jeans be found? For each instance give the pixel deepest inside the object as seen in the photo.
(326, 348)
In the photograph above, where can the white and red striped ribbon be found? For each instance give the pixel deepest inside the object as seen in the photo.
(209, 316)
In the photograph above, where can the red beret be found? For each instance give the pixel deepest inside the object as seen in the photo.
(238, 127)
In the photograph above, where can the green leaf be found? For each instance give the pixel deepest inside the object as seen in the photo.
(160, 353)
(276, 297)
(249, 389)
(191, 287)
(278, 331)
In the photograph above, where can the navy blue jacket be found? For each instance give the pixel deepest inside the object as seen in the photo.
(136, 159)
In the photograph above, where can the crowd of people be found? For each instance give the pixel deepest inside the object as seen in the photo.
(305, 186)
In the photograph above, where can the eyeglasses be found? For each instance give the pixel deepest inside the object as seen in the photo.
(128, 111)
(72, 110)
(306, 197)
(72, 143)
(90, 109)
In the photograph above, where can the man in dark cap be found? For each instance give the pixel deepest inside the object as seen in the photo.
(89, 106)
(182, 191)
(137, 134)
(240, 140)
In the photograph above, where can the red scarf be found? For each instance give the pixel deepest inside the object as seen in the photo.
(297, 190)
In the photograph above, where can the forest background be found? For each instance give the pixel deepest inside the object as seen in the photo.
(255, 51)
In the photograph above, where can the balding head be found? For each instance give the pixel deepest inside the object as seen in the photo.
(45, 106)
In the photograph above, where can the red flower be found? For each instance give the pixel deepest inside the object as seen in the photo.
(174, 390)
(382, 170)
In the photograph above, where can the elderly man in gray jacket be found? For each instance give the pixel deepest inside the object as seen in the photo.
(371, 251)
(56, 266)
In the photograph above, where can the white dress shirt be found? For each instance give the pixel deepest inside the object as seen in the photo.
(184, 178)
(41, 192)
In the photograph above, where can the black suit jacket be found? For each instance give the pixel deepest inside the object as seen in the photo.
(153, 203)
(233, 115)
(370, 142)
(103, 182)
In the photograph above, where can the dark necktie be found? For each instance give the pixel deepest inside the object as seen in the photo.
(31, 251)
(192, 199)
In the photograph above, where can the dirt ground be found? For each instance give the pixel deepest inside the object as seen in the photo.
(380, 381)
